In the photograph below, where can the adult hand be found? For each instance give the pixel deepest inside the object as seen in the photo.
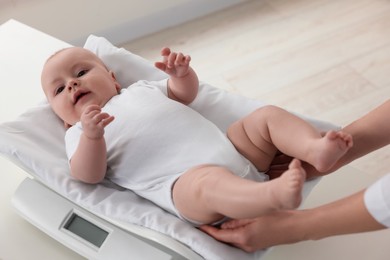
(254, 234)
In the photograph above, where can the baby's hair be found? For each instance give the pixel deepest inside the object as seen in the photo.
(67, 48)
(55, 53)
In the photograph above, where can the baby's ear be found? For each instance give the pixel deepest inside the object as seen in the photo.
(117, 85)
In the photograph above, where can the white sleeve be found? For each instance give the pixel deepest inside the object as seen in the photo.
(377, 200)
(72, 138)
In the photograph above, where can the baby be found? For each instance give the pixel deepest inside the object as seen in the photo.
(145, 138)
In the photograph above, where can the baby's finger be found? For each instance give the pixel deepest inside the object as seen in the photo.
(183, 60)
(107, 121)
(165, 51)
(187, 58)
(91, 108)
(180, 59)
(160, 65)
(89, 115)
(100, 117)
(171, 60)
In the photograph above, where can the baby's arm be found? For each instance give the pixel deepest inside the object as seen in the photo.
(183, 83)
(89, 162)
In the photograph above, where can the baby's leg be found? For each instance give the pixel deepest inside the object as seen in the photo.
(208, 193)
(259, 135)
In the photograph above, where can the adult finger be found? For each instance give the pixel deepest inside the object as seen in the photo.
(236, 223)
(230, 236)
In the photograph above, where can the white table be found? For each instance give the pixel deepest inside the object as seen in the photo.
(18, 238)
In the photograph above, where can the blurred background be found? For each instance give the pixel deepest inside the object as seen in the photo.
(72, 20)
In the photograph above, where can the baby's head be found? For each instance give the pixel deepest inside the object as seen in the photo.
(75, 78)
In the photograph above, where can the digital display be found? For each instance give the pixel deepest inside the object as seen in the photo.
(86, 230)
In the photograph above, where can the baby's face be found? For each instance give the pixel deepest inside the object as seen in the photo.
(75, 78)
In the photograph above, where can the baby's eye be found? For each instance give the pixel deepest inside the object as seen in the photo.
(59, 90)
(82, 73)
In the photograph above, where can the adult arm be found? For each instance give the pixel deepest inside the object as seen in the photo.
(370, 132)
(344, 216)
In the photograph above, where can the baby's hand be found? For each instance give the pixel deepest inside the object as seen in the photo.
(94, 122)
(174, 64)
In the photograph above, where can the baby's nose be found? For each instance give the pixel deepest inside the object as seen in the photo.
(72, 84)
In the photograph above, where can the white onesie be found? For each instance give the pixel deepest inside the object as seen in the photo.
(377, 200)
(154, 139)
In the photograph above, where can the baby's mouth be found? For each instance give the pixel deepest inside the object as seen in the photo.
(78, 95)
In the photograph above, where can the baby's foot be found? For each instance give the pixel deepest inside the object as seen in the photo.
(288, 190)
(330, 149)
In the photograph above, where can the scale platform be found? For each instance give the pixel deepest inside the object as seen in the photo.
(83, 232)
